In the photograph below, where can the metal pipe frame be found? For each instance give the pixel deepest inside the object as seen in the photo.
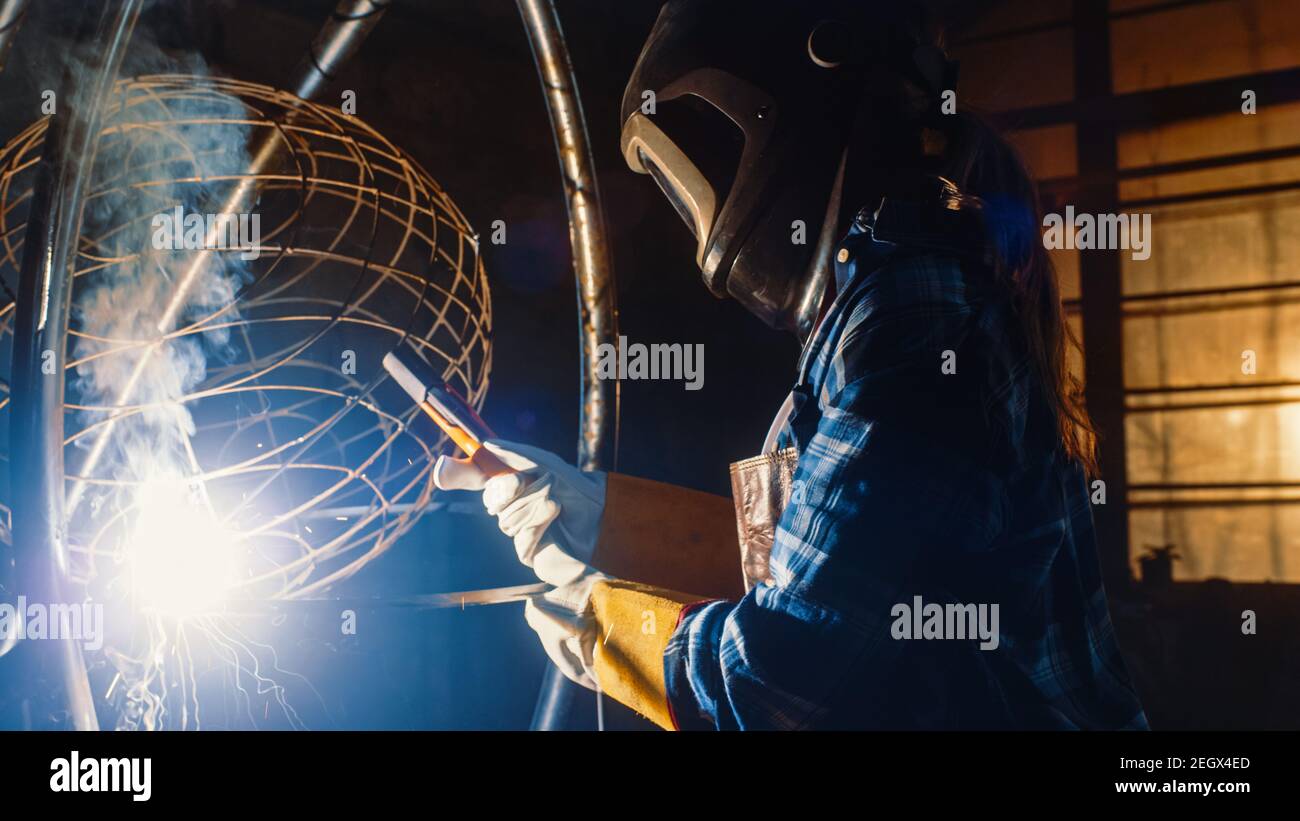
(338, 40)
(45, 290)
(41, 326)
(12, 13)
(597, 295)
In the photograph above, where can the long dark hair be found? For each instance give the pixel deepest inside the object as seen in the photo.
(982, 163)
(910, 131)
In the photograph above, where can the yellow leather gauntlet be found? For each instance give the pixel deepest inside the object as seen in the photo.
(634, 623)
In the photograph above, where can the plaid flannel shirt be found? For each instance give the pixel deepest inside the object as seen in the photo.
(913, 481)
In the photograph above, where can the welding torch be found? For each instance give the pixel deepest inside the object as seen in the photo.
(451, 413)
(672, 537)
(463, 426)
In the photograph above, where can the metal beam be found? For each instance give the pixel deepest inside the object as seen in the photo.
(1210, 196)
(1056, 187)
(1142, 109)
(1101, 291)
(1065, 22)
(1221, 386)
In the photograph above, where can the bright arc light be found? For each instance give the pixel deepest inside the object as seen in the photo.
(182, 561)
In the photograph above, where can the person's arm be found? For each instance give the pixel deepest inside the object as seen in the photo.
(577, 530)
(889, 481)
(888, 476)
(633, 623)
(875, 494)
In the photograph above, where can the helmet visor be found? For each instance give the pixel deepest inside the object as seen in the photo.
(692, 151)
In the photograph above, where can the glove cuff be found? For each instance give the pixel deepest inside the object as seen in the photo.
(633, 625)
(669, 536)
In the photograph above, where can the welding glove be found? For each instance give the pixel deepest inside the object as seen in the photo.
(551, 510)
(566, 626)
(601, 632)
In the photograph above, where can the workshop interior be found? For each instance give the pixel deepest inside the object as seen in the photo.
(425, 230)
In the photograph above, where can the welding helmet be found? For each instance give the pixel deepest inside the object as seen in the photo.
(742, 113)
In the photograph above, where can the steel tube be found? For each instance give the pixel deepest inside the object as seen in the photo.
(335, 45)
(39, 355)
(12, 13)
(597, 297)
(597, 311)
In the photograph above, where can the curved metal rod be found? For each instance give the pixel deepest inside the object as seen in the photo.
(597, 296)
(41, 327)
(12, 13)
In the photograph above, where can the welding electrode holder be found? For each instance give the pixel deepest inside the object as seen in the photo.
(661, 534)
(448, 410)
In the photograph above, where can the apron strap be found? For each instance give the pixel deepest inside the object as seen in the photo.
(778, 424)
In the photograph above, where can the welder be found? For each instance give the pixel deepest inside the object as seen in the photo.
(933, 448)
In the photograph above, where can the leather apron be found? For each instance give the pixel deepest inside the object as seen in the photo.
(760, 488)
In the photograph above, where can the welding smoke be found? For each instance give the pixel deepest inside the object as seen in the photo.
(152, 158)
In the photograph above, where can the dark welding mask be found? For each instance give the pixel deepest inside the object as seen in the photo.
(741, 112)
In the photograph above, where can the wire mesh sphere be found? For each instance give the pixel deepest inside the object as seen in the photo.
(245, 261)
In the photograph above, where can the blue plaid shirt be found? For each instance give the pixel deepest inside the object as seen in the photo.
(914, 482)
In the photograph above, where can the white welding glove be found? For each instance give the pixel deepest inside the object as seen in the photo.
(551, 510)
(567, 633)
